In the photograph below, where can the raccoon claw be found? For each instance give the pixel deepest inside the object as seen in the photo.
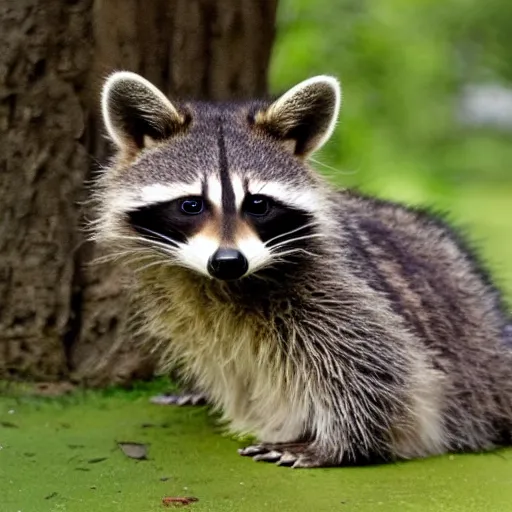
(270, 456)
(191, 399)
(295, 455)
(287, 459)
(308, 461)
(180, 400)
(251, 451)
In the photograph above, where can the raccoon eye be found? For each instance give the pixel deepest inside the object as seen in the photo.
(256, 205)
(192, 205)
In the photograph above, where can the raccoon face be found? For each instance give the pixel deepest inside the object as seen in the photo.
(223, 190)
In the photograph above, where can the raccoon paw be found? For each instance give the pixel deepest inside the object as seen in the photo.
(180, 399)
(295, 455)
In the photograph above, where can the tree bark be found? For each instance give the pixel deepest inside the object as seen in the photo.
(43, 66)
(59, 315)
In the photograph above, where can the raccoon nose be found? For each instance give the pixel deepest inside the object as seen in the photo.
(227, 264)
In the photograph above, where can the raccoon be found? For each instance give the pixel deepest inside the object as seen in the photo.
(334, 327)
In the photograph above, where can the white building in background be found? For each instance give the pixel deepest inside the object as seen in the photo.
(486, 106)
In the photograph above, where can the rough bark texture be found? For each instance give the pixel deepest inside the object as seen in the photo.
(43, 66)
(59, 315)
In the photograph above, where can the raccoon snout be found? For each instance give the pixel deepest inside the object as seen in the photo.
(226, 264)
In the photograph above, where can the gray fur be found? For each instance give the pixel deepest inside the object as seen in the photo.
(381, 339)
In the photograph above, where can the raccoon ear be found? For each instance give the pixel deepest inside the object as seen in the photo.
(137, 114)
(305, 116)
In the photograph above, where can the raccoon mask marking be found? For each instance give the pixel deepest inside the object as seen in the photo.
(215, 212)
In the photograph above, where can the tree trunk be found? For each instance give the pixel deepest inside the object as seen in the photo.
(60, 315)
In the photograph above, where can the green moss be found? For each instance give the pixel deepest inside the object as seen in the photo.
(61, 455)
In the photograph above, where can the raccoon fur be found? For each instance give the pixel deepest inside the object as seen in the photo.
(334, 327)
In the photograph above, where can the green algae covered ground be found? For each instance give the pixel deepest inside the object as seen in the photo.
(61, 455)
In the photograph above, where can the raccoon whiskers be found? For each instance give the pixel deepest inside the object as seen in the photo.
(291, 232)
(120, 255)
(139, 240)
(166, 239)
(336, 172)
(162, 248)
(281, 254)
(296, 239)
(183, 264)
(154, 263)
(142, 256)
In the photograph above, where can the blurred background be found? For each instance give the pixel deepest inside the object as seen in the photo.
(426, 119)
(427, 108)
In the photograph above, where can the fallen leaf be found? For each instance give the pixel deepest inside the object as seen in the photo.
(8, 424)
(137, 451)
(177, 501)
(52, 388)
(95, 461)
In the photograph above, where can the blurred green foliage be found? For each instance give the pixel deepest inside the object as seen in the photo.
(404, 65)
